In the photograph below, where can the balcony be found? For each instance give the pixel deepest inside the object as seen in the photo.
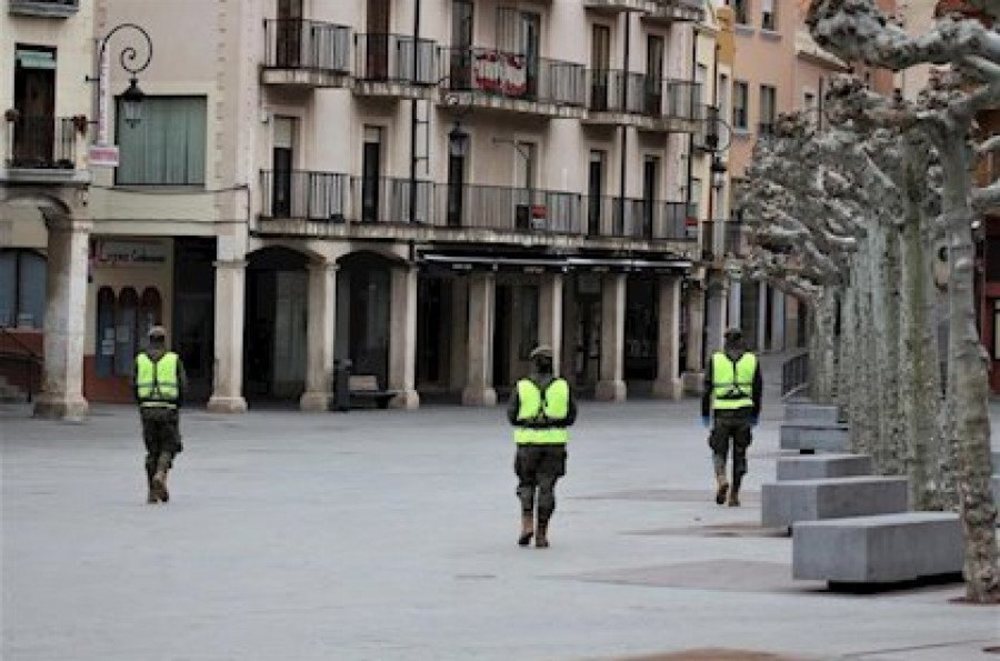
(637, 218)
(506, 209)
(615, 6)
(670, 11)
(306, 54)
(723, 239)
(493, 79)
(43, 152)
(44, 8)
(765, 128)
(394, 66)
(635, 99)
(707, 137)
(327, 204)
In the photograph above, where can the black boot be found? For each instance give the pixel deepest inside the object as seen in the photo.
(722, 487)
(159, 482)
(527, 529)
(151, 492)
(541, 538)
(734, 491)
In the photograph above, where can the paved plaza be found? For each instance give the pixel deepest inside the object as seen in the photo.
(387, 535)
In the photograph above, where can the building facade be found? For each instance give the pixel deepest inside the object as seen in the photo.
(46, 50)
(427, 195)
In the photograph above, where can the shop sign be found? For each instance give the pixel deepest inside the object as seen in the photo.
(131, 253)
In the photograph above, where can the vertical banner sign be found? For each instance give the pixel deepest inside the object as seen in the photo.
(102, 92)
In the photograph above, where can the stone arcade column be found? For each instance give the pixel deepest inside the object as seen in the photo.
(321, 329)
(65, 318)
(715, 313)
(482, 308)
(668, 352)
(693, 367)
(230, 295)
(611, 386)
(403, 338)
(550, 316)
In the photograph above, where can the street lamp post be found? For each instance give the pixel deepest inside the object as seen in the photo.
(132, 97)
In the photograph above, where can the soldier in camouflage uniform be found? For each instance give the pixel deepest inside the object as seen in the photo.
(159, 383)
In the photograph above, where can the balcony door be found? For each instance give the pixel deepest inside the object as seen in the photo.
(531, 49)
(283, 162)
(595, 192)
(371, 168)
(289, 44)
(600, 62)
(650, 178)
(525, 174)
(654, 76)
(34, 100)
(377, 40)
(460, 63)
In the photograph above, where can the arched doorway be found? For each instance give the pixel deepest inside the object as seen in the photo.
(275, 340)
(363, 313)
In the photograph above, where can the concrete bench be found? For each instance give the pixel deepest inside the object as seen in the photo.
(878, 549)
(820, 413)
(813, 437)
(996, 493)
(818, 466)
(786, 503)
(995, 461)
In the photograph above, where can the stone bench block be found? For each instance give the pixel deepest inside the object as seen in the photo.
(814, 437)
(818, 466)
(996, 494)
(878, 549)
(995, 461)
(785, 503)
(819, 413)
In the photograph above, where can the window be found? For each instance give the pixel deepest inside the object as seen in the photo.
(723, 96)
(741, 11)
(768, 96)
(167, 147)
(22, 289)
(768, 15)
(740, 105)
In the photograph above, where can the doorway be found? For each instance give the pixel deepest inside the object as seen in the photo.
(34, 99)
(600, 62)
(289, 37)
(371, 167)
(595, 192)
(377, 40)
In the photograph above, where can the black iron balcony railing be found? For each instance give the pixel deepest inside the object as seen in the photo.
(42, 141)
(296, 43)
(708, 135)
(388, 200)
(508, 209)
(395, 58)
(316, 196)
(722, 238)
(765, 128)
(610, 90)
(515, 76)
(636, 218)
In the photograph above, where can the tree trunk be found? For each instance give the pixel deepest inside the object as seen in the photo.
(824, 346)
(892, 370)
(969, 359)
(920, 388)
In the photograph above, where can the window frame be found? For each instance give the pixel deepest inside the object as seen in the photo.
(741, 87)
(765, 24)
(119, 118)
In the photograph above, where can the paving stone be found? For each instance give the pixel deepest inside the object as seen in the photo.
(785, 503)
(811, 467)
(878, 549)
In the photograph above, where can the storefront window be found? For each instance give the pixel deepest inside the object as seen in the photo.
(150, 314)
(104, 352)
(22, 289)
(125, 331)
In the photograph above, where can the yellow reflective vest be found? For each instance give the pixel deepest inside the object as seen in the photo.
(156, 384)
(732, 384)
(536, 407)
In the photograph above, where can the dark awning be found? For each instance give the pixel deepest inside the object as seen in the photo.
(559, 263)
